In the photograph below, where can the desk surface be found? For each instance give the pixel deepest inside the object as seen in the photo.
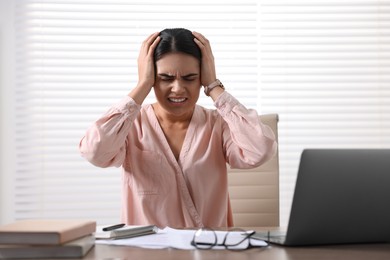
(272, 252)
(342, 252)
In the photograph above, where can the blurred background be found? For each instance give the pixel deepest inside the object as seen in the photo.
(323, 66)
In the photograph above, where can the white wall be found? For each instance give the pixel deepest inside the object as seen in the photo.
(7, 155)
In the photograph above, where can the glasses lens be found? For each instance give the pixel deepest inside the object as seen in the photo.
(237, 240)
(205, 239)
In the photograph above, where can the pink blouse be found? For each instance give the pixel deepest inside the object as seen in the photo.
(191, 191)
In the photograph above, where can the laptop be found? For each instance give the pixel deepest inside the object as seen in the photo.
(341, 196)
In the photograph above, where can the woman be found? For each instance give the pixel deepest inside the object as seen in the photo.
(174, 152)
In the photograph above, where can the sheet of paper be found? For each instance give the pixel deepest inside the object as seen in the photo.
(171, 238)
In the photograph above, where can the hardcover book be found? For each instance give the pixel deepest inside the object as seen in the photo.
(45, 231)
(73, 249)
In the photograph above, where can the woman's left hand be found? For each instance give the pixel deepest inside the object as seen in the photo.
(208, 74)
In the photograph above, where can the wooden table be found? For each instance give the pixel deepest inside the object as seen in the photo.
(335, 252)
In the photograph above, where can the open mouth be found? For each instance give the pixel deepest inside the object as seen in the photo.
(177, 100)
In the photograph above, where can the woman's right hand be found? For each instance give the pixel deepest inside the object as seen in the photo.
(146, 73)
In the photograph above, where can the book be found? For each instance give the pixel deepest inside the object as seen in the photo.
(74, 249)
(45, 231)
(125, 232)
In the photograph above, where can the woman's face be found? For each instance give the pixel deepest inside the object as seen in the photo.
(177, 84)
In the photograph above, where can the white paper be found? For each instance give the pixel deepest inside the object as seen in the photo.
(173, 238)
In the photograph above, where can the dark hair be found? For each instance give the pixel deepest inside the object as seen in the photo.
(177, 40)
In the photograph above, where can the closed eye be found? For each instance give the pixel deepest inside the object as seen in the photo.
(190, 77)
(166, 77)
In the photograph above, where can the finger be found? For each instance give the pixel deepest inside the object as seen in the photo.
(198, 35)
(146, 45)
(204, 48)
(151, 38)
(201, 38)
(154, 44)
(199, 43)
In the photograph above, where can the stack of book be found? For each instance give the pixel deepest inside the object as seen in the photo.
(40, 238)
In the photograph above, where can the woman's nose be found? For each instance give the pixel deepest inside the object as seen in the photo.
(177, 86)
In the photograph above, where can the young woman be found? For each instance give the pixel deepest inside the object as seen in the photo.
(173, 153)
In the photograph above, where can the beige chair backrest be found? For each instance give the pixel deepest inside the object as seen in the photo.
(254, 193)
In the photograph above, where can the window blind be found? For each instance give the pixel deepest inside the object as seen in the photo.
(76, 58)
(325, 68)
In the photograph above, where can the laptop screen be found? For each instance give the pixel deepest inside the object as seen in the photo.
(341, 196)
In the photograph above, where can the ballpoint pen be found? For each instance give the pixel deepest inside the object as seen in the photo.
(113, 227)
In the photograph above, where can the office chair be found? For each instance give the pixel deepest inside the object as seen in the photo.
(254, 193)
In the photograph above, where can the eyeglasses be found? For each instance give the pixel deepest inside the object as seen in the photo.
(235, 239)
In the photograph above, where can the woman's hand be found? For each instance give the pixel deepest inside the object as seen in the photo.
(208, 74)
(207, 71)
(146, 73)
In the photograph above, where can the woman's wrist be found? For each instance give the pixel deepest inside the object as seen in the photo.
(216, 92)
(140, 92)
(211, 86)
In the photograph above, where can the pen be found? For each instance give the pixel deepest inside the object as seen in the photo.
(109, 228)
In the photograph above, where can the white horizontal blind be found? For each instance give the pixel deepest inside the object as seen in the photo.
(76, 58)
(325, 68)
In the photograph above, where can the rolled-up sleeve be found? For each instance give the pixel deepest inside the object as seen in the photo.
(247, 141)
(104, 143)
